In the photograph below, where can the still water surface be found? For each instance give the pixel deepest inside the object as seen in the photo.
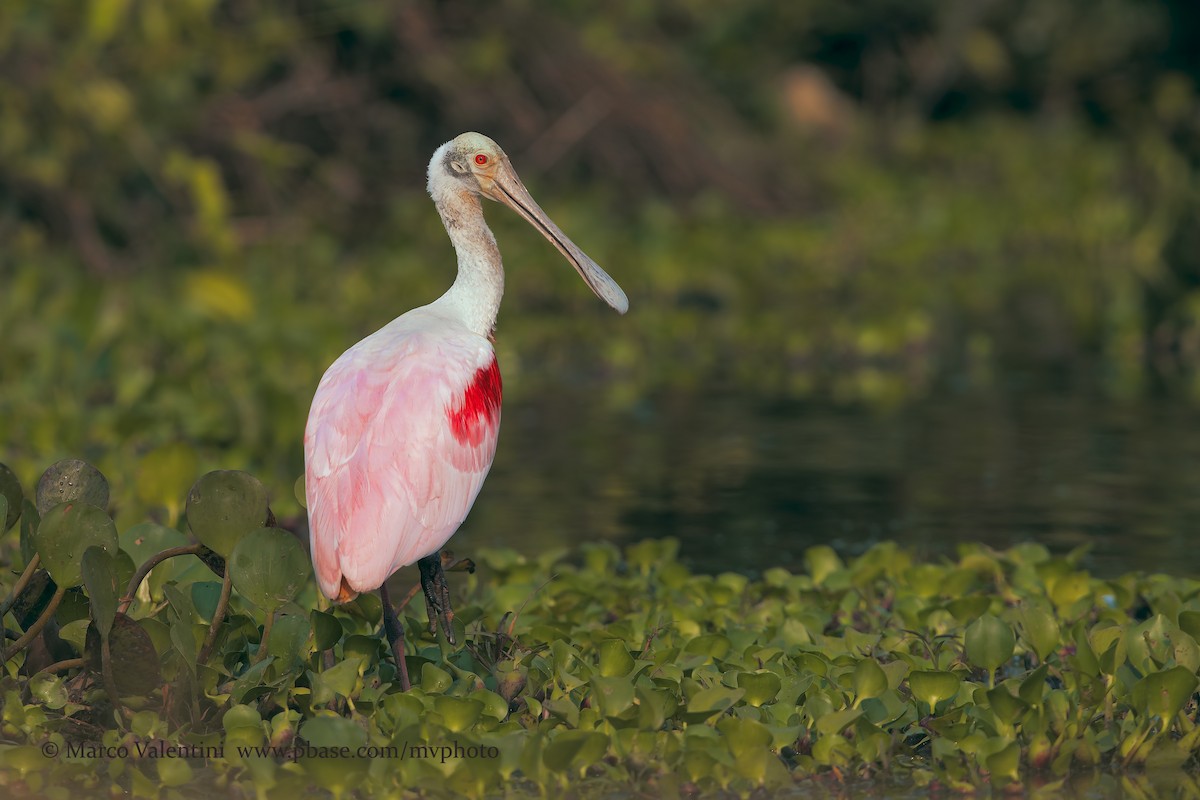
(747, 482)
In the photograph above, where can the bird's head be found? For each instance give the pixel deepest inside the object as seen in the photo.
(477, 165)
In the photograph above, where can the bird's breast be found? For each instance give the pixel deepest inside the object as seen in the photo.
(476, 411)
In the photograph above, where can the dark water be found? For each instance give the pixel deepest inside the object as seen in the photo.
(747, 482)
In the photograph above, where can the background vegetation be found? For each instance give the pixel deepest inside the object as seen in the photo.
(203, 202)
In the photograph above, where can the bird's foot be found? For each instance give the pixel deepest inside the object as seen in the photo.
(394, 629)
(437, 595)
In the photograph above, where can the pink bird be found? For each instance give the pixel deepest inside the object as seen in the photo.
(403, 425)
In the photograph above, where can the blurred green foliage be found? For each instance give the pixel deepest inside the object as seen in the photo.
(203, 203)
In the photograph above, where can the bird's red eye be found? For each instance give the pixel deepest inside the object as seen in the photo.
(481, 159)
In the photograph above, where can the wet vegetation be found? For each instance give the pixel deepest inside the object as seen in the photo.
(203, 203)
(149, 656)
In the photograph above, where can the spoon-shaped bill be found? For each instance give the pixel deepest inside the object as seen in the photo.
(507, 188)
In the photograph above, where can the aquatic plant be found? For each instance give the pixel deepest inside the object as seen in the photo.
(145, 660)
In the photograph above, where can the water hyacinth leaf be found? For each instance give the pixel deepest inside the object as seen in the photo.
(205, 597)
(1164, 693)
(822, 561)
(707, 703)
(99, 572)
(10, 490)
(1189, 621)
(1033, 687)
(269, 567)
(458, 713)
(614, 658)
(989, 642)
(30, 520)
(761, 687)
(49, 690)
(342, 677)
(1039, 629)
(3, 512)
(749, 742)
(1005, 763)
(225, 505)
(933, 686)
(289, 639)
(1004, 705)
(65, 532)
(241, 716)
(327, 631)
(575, 751)
(869, 679)
(132, 649)
(611, 696)
(70, 481)
(330, 730)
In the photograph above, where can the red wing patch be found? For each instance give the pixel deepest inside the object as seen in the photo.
(479, 407)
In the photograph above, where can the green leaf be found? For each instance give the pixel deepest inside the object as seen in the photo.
(1040, 630)
(869, 679)
(989, 642)
(289, 639)
(327, 631)
(707, 703)
(342, 677)
(99, 575)
(614, 658)
(269, 567)
(933, 686)
(761, 687)
(65, 532)
(435, 680)
(224, 506)
(10, 490)
(575, 751)
(458, 713)
(71, 481)
(1164, 693)
(133, 654)
(611, 696)
(329, 730)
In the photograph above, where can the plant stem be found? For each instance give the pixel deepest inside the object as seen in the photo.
(36, 627)
(136, 581)
(266, 637)
(110, 682)
(63, 666)
(217, 618)
(20, 585)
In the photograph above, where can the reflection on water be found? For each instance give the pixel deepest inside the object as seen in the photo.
(747, 483)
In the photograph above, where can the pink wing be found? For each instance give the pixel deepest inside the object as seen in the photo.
(401, 434)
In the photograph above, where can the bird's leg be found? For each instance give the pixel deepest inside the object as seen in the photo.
(394, 630)
(437, 595)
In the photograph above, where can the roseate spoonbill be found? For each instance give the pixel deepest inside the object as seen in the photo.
(403, 425)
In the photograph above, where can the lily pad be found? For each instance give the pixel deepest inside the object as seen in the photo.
(65, 532)
(225, 505)
(269, 567)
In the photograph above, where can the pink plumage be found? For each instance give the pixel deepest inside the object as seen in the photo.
(403, 426)
(401, 435)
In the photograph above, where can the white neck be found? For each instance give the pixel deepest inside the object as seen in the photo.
(474, 298)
